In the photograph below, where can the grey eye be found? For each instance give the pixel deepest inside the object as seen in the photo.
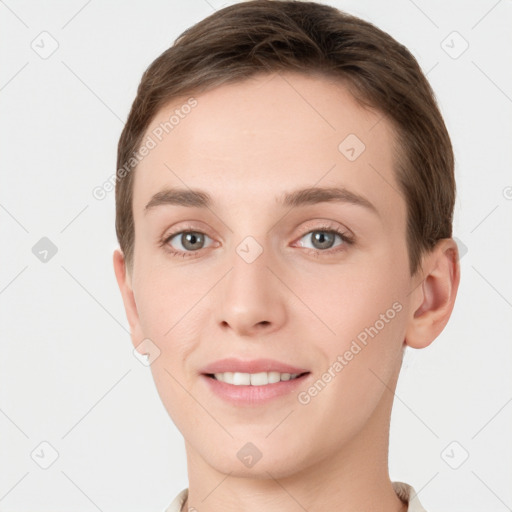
(189, 240)
(321, 239)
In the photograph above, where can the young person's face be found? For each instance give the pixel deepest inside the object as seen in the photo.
(267, 280)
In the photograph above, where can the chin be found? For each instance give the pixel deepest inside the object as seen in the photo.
(252, 456)
(261, 470)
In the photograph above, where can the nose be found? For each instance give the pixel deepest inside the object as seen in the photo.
(251, 299)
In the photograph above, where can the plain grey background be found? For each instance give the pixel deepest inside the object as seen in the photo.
(68, 377)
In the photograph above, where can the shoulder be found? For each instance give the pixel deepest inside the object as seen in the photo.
(404, 491)
(407, 493)
(177, 503)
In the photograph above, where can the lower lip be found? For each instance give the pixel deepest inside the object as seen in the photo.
(253, 395)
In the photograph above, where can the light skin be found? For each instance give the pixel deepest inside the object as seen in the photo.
(300, 302)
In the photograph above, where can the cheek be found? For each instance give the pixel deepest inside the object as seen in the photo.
(366, 315)
(363, 355)
(172, 315)
(165, 298)
(348, 300)
(169, 316)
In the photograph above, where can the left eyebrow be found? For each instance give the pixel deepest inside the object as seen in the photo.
(195, 198)
(315, 195)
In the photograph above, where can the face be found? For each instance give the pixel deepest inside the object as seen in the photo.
(315, 280)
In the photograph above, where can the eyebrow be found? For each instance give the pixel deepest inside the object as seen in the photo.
(195, 198)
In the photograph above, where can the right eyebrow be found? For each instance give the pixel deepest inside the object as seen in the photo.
(180, 197)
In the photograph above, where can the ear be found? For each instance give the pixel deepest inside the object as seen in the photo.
(124, 281)
(433, 299)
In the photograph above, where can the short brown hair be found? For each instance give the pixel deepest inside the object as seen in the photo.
(268, 36)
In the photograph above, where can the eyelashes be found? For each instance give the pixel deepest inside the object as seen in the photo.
(190, 236)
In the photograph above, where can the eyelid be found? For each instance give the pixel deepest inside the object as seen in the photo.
(180, 227)
(326, 225)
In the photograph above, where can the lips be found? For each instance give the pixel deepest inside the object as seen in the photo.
(251, 396)
(232, 364)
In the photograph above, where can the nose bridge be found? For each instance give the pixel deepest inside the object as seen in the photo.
(249, 263)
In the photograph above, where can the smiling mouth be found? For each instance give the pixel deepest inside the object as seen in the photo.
(254, 379)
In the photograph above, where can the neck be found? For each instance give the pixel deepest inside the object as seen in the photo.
(352, 477)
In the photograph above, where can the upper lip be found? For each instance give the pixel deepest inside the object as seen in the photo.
(232, 364)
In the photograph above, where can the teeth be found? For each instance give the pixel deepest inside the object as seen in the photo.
(253, 379)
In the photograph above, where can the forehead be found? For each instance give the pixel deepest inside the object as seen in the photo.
(252, 141)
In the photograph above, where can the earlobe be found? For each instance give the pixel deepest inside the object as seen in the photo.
(435, 295)
(125, 286)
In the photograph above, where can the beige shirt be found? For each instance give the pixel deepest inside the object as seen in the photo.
(404, 491)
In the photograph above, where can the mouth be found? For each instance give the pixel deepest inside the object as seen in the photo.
(250, 390)
(254, 379)
(256, 382)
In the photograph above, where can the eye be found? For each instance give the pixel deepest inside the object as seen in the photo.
(323, 239)
(184, 242)
(187, 243)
